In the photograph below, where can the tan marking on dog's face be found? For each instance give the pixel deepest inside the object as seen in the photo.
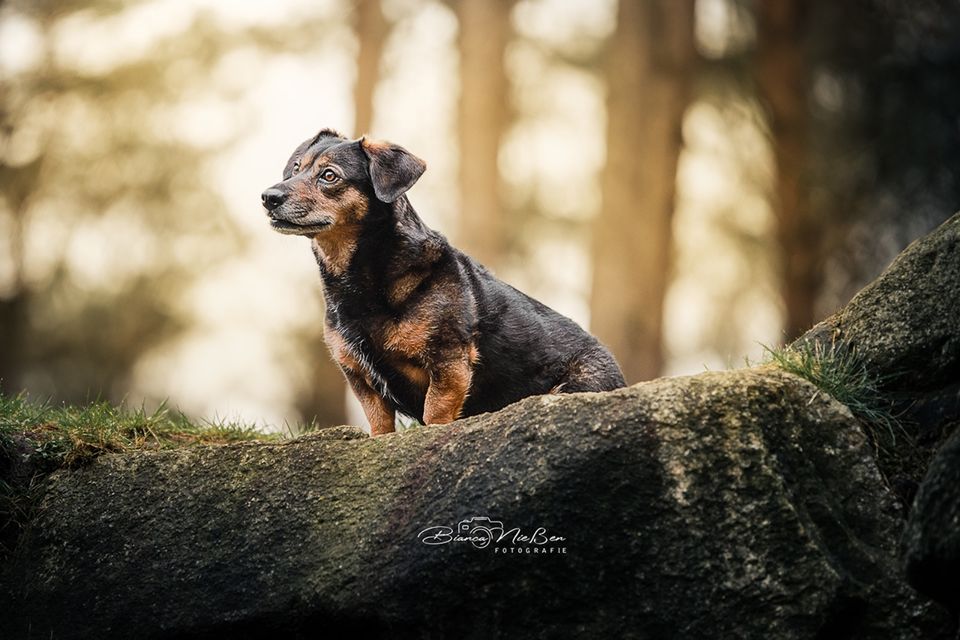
(338, 203)
(343, 205)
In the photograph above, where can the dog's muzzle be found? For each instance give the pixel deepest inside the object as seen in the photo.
(273, 198)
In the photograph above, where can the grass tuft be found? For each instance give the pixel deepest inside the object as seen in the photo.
(66, 435)
(842, 374)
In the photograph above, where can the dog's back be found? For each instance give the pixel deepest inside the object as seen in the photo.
(527, 348)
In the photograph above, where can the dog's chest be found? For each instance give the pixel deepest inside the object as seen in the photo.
(359, 349)
(372, 359)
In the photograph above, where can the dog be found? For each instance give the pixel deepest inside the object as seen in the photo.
(416, 326)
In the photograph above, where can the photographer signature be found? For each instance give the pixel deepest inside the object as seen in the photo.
(481, 531)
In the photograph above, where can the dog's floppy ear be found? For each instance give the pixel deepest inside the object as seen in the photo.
(393, 169)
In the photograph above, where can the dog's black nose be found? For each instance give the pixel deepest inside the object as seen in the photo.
(272, 198)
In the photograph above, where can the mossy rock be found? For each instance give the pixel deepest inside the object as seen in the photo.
(743, 504)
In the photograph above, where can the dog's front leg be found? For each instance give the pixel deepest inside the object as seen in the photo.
(449, 384)
(379, 414)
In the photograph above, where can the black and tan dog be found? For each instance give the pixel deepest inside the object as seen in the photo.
(417, 326)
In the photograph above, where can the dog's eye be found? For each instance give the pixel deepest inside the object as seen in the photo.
(296, 166)
(329, 176)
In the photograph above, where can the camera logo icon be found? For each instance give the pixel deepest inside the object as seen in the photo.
(481, 529)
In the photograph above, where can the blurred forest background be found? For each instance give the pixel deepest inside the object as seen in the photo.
(689, 179)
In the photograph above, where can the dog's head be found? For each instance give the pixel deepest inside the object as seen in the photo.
(331, 181)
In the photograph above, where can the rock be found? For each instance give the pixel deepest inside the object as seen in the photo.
(904, 328)
(905, 325)
(725, 505)
(931, 541)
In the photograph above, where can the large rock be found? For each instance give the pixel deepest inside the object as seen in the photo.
(905, 325)
(932, 538)
(725, 505)
(905, 329)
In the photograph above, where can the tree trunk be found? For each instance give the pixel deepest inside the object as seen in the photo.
(483, 117)
(371, 29)
(651, 60)
(783, 77)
